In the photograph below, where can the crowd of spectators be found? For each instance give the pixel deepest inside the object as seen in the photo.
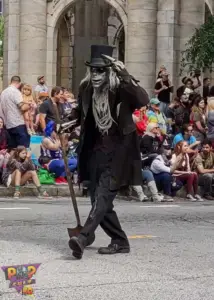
(176, 136)
(27, 112)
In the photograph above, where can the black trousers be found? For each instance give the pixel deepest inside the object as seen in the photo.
(102, 198)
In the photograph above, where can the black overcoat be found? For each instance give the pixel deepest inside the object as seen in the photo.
(126, 164)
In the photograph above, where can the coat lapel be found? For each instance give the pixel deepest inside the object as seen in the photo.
(86, 99)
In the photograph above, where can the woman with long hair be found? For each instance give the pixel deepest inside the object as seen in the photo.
(183, 171)
(198, 117)
(19, 170)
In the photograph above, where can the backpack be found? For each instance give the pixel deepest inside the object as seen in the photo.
(45, 177)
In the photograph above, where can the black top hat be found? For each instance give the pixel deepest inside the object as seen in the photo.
(96, 56)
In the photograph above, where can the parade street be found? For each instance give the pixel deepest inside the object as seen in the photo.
(172, 251)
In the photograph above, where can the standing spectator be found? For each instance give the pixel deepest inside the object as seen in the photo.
(198, 117)
(41, 86)
(206, 88)
(47, 110)
(29, 115)
(156, 116)
(12, 108)
(141, 120)
(183, 171)
(163, 88)
(203, 164)
(170, 115)
(188, 86)
(21, 169)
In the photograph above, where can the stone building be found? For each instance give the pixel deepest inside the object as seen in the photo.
(53, 37)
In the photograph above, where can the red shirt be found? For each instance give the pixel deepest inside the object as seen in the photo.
(142, 124)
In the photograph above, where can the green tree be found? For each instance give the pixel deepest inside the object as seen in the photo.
(1, 35)
(199, 53)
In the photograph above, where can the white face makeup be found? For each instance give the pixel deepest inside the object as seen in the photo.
(98, 77)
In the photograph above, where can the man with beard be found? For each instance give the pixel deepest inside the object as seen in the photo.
(109, 155)
(204, 166)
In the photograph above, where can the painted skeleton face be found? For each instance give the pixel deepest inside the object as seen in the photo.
(98, 76)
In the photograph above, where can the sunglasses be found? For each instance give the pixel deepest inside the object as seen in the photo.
(98, 70)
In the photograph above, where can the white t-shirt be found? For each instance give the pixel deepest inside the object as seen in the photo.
(41, 88)
(11, 97)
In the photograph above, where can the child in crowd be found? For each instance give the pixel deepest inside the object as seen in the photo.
(19, 170)
(29, 114)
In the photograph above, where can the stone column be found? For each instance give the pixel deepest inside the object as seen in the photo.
(141, 41)
(33, 39)
(191, 17)
(90, 28)
(11, 11)
(168, 38)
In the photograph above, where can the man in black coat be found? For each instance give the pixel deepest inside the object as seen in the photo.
(109, 154)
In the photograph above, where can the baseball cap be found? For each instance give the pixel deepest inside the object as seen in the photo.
(40, 77)
(154, 101)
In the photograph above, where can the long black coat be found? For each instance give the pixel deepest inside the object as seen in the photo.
(126, 164)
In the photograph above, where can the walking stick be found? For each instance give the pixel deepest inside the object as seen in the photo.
(76, 230)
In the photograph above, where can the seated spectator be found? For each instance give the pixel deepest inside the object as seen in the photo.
(187, 136)
(51, 154)
(141, 120)
(182, 112)
(198, 118)
(170, 115)
(151, 142)
(4, 136)
(210, 115)
(163, 170)
(203, 164)
(29, 115)
(206, 88)
(19, 170)
(47, 109)
(156, 116)
(181, 159)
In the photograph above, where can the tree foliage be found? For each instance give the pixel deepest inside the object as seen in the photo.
(199, 53)
(1, 35)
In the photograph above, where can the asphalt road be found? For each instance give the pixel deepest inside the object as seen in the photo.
(172, 251)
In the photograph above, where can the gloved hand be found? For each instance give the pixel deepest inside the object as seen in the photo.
(120, 69)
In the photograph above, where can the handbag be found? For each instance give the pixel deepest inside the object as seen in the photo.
(45, 177)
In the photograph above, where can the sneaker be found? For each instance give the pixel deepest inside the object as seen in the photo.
(198, 198)
(209, 197)
(44, 195)
(16, 195)
(64, 181)
(9, 181)
(191, 198)
(60, 180)
(167, 198)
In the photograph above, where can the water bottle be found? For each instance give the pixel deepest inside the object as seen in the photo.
(75, 177)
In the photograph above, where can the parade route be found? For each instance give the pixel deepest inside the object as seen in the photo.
(172, 251)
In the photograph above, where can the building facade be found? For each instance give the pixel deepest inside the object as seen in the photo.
(53, 37)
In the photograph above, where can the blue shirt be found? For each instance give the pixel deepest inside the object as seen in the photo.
(179, 137)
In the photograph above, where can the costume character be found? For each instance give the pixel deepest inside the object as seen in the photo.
(109, 154)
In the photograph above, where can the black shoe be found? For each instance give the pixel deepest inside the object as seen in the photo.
(77, 247)
(113, 249)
